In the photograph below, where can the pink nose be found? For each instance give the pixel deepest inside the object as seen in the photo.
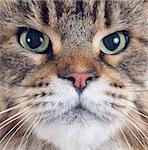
(80, 79)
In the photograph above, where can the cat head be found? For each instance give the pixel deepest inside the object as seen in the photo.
(75, 70)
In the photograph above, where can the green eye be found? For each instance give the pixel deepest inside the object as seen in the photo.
(34, 40)
(114, 43)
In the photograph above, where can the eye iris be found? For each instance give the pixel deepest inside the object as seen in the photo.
(34, 39)
(112, 41)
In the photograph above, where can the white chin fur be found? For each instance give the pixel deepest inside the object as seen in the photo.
(75, 136)
(86, 133)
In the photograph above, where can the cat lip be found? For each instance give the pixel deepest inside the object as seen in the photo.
(82, 108)
(77, 111)
(79, 106)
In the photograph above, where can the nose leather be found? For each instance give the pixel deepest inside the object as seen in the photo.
(80, 79)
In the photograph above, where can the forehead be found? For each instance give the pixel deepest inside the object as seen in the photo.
(73, 18)
(51, 12)
(81, 19)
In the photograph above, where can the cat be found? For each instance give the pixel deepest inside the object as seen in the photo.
(73, 75)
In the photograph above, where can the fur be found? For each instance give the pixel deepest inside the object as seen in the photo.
(37, 104)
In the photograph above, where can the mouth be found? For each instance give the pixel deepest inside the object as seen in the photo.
(76, 114)
(75, 111)
(80, 107)
(81, 111)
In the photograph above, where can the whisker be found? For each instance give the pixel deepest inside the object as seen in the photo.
(15, 107)
(117, 133)
(10, 109)
(129, 146)
(5, 88)
(27, 133)
(134, 134)
(13, 118)
(13, 128)
(14, 98)
(139, 91)
(17, 131)
(10, 122)
(138, 119)
(134, 110)
(136, 125)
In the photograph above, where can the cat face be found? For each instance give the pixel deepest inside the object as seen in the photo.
(74, 73)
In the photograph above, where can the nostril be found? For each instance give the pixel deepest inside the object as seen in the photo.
(80, 80)
(72, 79)
(89, 79)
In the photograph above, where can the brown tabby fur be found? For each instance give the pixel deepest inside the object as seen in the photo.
(75, 29)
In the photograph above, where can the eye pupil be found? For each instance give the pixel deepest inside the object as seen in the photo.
(112, 41)
(34, 39)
